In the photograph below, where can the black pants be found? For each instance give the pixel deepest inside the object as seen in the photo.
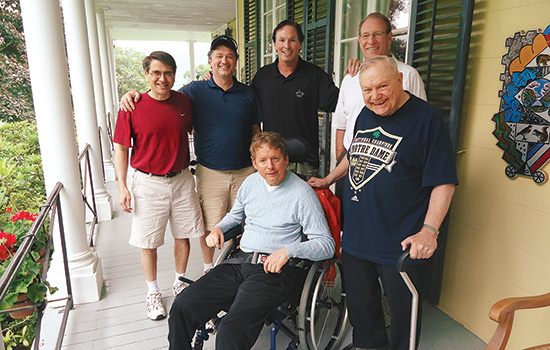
(364, 302)
(245, 291)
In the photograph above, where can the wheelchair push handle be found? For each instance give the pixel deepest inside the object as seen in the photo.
(186, 280)
(403, 258)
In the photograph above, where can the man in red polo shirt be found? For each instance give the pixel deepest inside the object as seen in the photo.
(162, 187)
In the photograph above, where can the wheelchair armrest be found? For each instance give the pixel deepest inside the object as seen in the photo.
(232, 233)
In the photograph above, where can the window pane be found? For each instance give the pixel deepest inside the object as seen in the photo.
(349, 50)
(281, 14)
(280, 2)
(268, 27)
(352, 12)
(399, 46)
(399, 16)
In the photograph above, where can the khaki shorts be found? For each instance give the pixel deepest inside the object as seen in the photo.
(217, 191)
(159, 200)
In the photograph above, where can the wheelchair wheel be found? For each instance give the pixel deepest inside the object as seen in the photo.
(322, 313)
(198, 344)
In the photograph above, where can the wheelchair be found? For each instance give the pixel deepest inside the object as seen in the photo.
(314, 318)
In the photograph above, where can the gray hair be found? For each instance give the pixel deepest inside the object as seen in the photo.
(373, 61)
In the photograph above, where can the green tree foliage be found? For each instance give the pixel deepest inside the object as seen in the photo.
(15, 89)
(397, 6)
(21, 174)
(398, 49)
(200, 71)
(129, 71)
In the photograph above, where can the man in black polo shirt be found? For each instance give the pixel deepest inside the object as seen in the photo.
(291, 91)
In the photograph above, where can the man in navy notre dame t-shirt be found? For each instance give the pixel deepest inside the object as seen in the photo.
(400, 180)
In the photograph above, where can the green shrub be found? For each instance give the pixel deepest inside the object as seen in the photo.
(21, 188)
(18, 334)
(21, 176)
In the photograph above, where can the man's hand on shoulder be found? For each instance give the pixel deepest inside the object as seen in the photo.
(127, 101)
(276, 260)
(316, 182)
(336, 174)
(207, 75)
(423, 244)
(353, 68)
(215, 238)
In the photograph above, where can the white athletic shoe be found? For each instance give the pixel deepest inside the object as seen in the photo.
(155, 308)
(178, 287)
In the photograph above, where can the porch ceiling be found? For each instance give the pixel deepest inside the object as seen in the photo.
(177, 20)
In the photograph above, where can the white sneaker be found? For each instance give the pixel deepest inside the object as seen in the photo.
(178, 287)
(155, 308)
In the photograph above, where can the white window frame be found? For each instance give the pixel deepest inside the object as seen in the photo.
(272, 11)
(369, 6)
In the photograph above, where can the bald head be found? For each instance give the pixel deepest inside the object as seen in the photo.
(382, 85)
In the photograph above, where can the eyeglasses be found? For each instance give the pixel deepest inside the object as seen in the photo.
(157, 74)
(375, 35)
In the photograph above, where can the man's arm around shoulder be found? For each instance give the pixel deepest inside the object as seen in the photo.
(335, 175)
(127, 101)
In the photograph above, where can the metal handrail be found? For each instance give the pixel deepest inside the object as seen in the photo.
(110, 132)
(87, 174)
(101, 152)
(51, 208)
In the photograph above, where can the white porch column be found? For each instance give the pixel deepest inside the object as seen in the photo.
(83, 99)
(192, 59)
(98, 89)
(52, 103)
(105, 66)
(112, 66)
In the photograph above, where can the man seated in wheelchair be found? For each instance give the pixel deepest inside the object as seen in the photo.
(277, 207)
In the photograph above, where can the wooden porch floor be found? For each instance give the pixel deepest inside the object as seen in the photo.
(119, 321)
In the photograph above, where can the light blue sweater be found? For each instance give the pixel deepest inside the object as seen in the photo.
(277, 218)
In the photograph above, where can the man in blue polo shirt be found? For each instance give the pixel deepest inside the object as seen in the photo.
(226, 115)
